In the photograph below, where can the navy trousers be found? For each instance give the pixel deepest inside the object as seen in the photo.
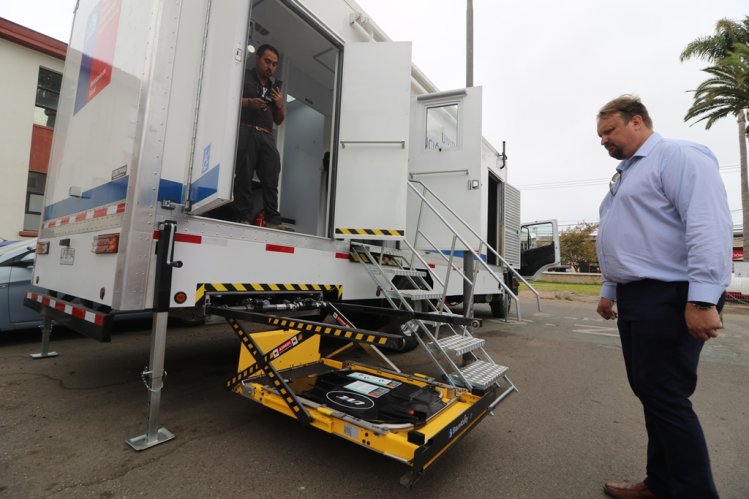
(661, 359)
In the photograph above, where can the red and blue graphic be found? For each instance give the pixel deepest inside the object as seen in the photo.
(98, 51)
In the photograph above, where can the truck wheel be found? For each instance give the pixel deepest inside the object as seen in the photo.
(500, 307)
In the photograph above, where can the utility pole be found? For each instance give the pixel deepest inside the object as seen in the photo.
(469, 43)
(468, 254)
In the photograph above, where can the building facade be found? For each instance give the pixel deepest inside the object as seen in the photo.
(32, 73)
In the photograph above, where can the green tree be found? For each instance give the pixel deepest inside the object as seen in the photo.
(578, 247)
(719, 98)
(726, 93)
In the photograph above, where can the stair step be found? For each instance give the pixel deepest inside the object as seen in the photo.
(395, 270)
(481, 374)
(419, 273)
(361, 248)
(416, 294)
(458, 345)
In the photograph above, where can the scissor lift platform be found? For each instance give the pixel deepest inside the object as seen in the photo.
(412, 418)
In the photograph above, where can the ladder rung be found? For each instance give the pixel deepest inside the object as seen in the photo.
(416, 294)
(459, 345)
(481, 374)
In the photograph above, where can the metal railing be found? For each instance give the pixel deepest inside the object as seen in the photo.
(456, 236)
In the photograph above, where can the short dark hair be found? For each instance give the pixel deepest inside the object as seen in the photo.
(266, 46)
(628, 106)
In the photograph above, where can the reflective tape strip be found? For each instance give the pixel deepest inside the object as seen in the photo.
(181, 237)
(369, 232)
(279, 248)
(66, 308)
(220, 287)
(93, 213)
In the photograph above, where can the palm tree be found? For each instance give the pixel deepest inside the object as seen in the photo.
(716, 47)
(720, 96)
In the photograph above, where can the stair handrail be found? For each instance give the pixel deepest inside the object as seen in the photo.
(468, 246)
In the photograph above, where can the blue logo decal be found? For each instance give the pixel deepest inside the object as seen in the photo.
(206, 159)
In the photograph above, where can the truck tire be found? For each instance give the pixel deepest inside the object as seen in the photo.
(500, 307)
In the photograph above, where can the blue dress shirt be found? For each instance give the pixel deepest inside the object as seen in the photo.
(667, 220)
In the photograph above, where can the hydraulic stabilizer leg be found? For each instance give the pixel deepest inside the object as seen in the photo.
(153, 377)
(46, 332)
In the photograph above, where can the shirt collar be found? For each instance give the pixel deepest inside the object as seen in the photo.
(642, 152)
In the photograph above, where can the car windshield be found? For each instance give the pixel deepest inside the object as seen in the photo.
(15, 246)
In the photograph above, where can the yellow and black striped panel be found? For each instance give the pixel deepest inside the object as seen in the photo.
(268, 357)
(343, 231)
(270, 372)
(386, 260)
(255, 287)
(329, 331)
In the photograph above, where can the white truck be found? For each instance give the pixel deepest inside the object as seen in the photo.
(408, 214)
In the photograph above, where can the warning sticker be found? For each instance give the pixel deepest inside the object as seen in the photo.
(367, 389)
(370, 378)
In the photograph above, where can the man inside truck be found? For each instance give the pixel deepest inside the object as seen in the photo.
(262, 106)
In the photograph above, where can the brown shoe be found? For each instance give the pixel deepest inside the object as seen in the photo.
(628, 490)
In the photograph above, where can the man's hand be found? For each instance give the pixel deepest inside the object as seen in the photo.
(606, 309)
(276, 96)
(702, 323)
(254, 102)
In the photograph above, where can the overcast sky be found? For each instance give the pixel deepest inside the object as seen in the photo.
(546, 67)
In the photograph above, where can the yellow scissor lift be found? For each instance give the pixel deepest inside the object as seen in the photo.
(411, 418)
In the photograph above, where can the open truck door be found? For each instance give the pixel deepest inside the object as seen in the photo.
(539, 248)
(215, 143)
(372, 149)
(445, 157)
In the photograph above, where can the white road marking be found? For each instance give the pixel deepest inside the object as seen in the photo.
(596, 330)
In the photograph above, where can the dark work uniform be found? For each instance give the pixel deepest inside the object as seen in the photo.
(256, 153)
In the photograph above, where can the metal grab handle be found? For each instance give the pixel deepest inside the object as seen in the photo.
(436, 172)
(172, 230)
(401, 142)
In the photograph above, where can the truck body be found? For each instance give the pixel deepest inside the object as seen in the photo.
(387, 182)
(147, 131)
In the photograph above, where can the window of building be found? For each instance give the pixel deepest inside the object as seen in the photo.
(47, 95)
(32, 218)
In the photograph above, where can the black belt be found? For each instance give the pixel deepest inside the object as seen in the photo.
(257, 128)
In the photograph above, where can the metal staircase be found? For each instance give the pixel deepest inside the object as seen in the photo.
(460, 356)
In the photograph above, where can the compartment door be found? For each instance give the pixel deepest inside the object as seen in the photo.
(225, 51)
(445, 157)
(372, 166)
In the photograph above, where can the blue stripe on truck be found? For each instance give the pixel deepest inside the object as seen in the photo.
(206, 185)
(102, 195)
(116, 190)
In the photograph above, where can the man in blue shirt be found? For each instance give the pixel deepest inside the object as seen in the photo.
(664, 247)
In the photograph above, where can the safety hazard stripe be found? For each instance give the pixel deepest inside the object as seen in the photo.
(369, 232)
(234, 287)
(386, 260)
(67, 308)
(328, 330)
(93, 213)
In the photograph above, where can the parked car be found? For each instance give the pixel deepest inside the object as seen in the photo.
(16, 265)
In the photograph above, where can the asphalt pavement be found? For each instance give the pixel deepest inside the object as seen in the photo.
(64, 421)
